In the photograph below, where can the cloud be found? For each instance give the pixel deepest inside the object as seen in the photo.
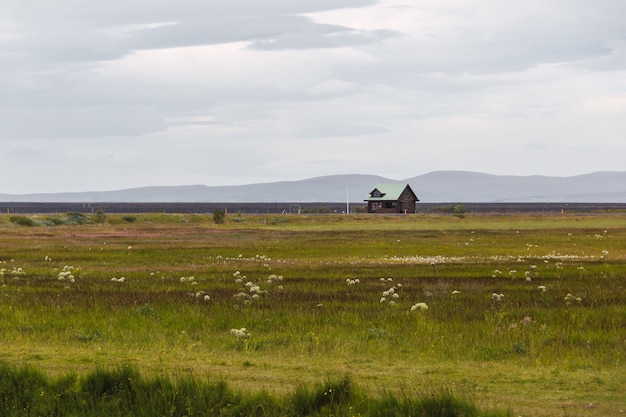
(78, 122)
(25, 152)
(323, 36)
(73, 31)
(311, 87)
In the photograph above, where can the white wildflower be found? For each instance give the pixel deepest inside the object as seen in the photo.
(419, 306)
(497, 297)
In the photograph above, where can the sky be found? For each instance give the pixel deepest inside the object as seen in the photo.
(116, 94)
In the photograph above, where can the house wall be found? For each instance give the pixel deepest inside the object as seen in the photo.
(382, 207)
(406, 202)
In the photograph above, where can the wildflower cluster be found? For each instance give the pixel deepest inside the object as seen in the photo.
(390, 296)
(419, 307)
(191, 280)
(497, 297)
(569, 298)
(68, 273)
(196, 296)
(531, 273)
(242, 333)
(275, 278)
(238, 277)
(15, 272)
(202, 296)
(352, 282)
(242, 336)
(440, 259)
(258, 259)
(250, 291)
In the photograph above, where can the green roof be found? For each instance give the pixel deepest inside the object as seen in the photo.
(387, 191)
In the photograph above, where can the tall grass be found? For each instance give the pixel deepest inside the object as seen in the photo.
(123, 391)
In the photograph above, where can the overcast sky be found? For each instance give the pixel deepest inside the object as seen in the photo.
(106, 95)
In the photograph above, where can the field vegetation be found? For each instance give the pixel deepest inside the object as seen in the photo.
(514, 314)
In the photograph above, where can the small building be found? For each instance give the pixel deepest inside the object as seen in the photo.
(391, 198)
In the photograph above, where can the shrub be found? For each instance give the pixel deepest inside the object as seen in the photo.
(218, 216)
(76, 218)
(99, 217)
(455, 209)
(22, 221)
(129, 219)
(54, 221)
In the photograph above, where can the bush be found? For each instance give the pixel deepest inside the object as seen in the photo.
(76, 218)
(455, 209)
(54, 221)
(99, 217)
(129, 219)
(22, 221)
(218, 216)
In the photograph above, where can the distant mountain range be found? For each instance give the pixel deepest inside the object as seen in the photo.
(434, 187)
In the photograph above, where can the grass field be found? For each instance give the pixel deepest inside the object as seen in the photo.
(515, 312)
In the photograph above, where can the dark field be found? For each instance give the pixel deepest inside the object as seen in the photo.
(322, 207)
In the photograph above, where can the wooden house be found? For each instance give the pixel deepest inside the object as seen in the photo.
(391, 198)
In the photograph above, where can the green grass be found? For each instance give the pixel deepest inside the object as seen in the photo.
(534, 352)
(123, 391)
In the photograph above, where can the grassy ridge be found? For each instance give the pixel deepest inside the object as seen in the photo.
(559, 325)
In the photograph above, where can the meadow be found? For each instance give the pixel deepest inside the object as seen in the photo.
(523, 312)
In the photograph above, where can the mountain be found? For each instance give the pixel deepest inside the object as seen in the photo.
(450, 186)
(434, 187)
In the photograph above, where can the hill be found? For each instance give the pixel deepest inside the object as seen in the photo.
(434, 187)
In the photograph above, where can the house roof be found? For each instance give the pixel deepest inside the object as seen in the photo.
(388, 192)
